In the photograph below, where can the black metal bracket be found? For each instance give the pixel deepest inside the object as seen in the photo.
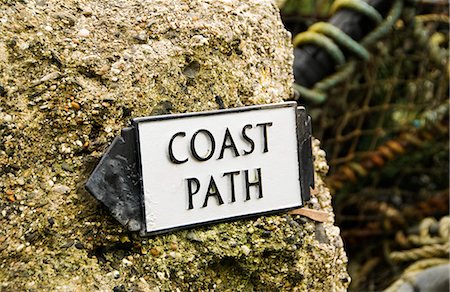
(306, 159)
(115, 181)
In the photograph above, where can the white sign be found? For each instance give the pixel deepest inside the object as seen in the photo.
(206, 167)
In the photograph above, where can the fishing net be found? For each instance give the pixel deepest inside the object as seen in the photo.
(383, 122)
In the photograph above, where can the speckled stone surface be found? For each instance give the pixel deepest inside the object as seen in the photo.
(72, 74)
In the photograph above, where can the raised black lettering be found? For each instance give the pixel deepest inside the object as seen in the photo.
(213, 145)
(171, 156)
(213, 191)
(249, 184)
(248, 139)
(231, 174)
(191, 192)
(264, 126)
(228, 138)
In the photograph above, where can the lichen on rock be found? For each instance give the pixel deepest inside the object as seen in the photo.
(72, 74)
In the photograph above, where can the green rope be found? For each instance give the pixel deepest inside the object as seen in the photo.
(336, 78)
(386, 26)
(321, 41)
(341, 38)
(317, 94)
(320, 34)
(312, 95)
(359, 6)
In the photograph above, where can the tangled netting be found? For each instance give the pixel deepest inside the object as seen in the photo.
(382, 117)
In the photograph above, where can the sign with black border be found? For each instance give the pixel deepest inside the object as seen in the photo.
(215, 166)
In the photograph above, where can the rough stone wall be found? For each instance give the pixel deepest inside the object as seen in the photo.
(72, 74)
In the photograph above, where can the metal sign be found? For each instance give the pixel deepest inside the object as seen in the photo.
(176, 171)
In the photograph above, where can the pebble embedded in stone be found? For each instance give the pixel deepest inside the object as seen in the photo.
(65, 149)
(116, 274)
(79, 245)
(75, 105)
(20, 247)
(193, 237)
(141, 38)
(245, 250)
(266, 233)
(162, 108)
(175, 255)
(86, 11)
(173, 246)
(60, 189)
(127, 262)
(83, 33)
(41, 2)
(65, 166)
(199, 40)
(51, 221)
(134, 225)
(51, 76)
(68, 243)
(192, 69)
(321, 235)
(155, 252)
(7, 118)
(119, 288)
(2, 90)
(21, 181)
(161, 275)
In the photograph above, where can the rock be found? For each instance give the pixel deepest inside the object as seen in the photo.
(175, 255)
(192, 69)
(245, 250)
(20, 247)
(66, 167)
(68, 243)
(7, 118)
(162, 108)
(193, 237)
(115, 274)
(83, 33)
(75, 105)
(127, 262)
(48, 77)
(321, 234)
(198, 55)
(2, 90)
(266, 233)
(51, 221)
(79, 245)
(21, 181)
(141, 38)
(60, 189)
(66, 18)
(432, 279)
(119, 288)
(155, 252)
